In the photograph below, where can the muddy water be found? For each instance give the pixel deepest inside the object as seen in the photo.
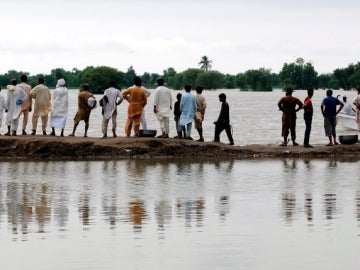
(154, 214)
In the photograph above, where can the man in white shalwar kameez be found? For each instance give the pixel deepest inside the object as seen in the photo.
(2, 108)
(162, 107)
(26, 107)
(356, 102)
(188, 109)
(143, 118)
(15, 97)
(112, 98)
(42, 107)
(60, 108)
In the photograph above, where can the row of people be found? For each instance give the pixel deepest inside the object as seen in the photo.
(187, 109)
(330, 107)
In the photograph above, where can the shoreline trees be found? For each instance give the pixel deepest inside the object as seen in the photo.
(299, 75)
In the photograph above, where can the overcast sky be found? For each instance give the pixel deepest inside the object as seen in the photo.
(37, 36)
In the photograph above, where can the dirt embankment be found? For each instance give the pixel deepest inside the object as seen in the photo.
(74, 148)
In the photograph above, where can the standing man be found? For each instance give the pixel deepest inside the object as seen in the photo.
(356, 102)
(26, 107)
(188, 109)
(200, 111)
(288, 105)
(42, 107)
(163, 107)
(85, 99)
(112, 98)
(60, 109)
(328, 109)
(137, 99)
(308, 114)
(223, 121)
(15, 97)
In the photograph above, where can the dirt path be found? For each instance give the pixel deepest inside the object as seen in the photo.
(73, 148)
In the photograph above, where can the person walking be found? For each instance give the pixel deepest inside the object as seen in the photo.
(188, 109)
(137, 99)
(223, 121)
(15, 97)
(163, 107)
(200, 111)
(42, 106)
(26, 107)
(60, 109)
(308, 115)
(329, 111)
(289, 105)
(86, 103)
(111, 99)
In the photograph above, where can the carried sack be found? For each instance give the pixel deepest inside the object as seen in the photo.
(91, 102)
(198, 117)
(103, 101)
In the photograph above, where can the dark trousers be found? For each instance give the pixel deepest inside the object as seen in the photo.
(308, 121)
(219, 129)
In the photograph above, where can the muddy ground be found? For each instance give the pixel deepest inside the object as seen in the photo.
(74, 148)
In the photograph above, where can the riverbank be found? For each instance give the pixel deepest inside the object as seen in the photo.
(75, 148)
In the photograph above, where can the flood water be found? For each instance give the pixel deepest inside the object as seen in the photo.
(184, 214)
(161, 214)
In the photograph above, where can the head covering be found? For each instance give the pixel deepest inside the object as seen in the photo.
(11, 89)
(60, 82)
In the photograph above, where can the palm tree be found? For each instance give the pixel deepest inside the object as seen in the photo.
(205, 63)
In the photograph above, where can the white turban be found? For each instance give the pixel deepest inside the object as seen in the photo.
(60, 82)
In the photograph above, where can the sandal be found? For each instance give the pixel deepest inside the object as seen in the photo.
(329, 144)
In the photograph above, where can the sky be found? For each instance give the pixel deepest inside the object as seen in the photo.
(236, 35)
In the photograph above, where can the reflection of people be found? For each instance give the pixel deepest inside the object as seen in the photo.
(162, 107)
(137, 99)
(200, 113)
(112, 98)
(308, 114)
(26, 107)
(15, 97)
(42, 107)
(328, 109)
(289, 105)
(356, 102)
(223, 121)
(59, 112)
(188, 109)
(137, 213)
(84, 108)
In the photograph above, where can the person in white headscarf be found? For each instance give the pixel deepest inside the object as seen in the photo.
(15, 97)
(112, 98)
(60, 108)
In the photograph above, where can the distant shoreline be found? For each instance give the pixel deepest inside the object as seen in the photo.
(80, 148)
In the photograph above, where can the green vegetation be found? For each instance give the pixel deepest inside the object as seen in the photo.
(299, 75)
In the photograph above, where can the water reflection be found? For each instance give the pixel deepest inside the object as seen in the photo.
(60, 196)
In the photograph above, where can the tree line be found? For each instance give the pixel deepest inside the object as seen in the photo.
(298, 75)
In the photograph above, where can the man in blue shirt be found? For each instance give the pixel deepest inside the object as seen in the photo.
(328, 109)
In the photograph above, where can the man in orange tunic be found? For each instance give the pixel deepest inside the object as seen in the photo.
(137, 99)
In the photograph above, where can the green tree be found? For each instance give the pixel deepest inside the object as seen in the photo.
(230, 81)
(98, 78)
(205, 63)
(145, 78)
(258, 80)
(300, 75)
(130, 75)
(210, 80)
